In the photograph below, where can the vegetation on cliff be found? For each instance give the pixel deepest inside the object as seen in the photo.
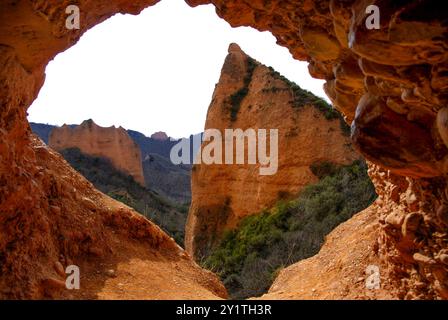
(237, 98)
(161, 175)
(248, 258)
(103, 175)
(169, 180)
(302, 97)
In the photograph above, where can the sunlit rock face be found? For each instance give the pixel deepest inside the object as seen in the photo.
(112, 143)
(389, 83)
(50, 216)
(223, 194)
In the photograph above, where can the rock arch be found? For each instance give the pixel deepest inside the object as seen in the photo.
(391, 82)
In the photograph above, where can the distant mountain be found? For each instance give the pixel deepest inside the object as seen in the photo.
(112, 143)
(169, 180)
(172, 181)
(150, 145)
(42, 130)
(160, 135)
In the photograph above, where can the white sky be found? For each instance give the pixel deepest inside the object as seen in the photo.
(153, 72)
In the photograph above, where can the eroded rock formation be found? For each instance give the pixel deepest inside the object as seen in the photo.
(62, 220)
(112, 143)
(50, 216)
(392, 82)
(223, 194)
(336, 272)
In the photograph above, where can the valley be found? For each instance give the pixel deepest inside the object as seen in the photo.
(248, 241)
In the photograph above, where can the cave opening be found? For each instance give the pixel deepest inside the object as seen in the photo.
(104, 78)
(391, 82)
(396, 86)
(156, 86)
(120, 70)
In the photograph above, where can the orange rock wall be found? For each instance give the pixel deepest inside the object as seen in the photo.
(112, 143)
(50, 216)
(392, 82)
(223, 194)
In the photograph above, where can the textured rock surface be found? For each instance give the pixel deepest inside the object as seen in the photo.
(49, 214)
(401, 69)
(392, 83)
(63, 220)
(112, 143)
(338, 273)
(223, 194)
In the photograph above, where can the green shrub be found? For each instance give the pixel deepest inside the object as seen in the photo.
(237, 98)
(323, 169)
(122, 187)
(302, 97)
(248, 258)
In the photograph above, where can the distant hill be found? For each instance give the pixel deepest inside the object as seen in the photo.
(149, 145)
(161, 147)
(173, 181)
(111, 142)
(42, 130)
(169, 180)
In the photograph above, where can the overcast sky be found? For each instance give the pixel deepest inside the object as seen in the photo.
(153, 72)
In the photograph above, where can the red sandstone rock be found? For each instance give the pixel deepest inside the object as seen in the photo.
(224, 194)
(112, 143)
(402, 65)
